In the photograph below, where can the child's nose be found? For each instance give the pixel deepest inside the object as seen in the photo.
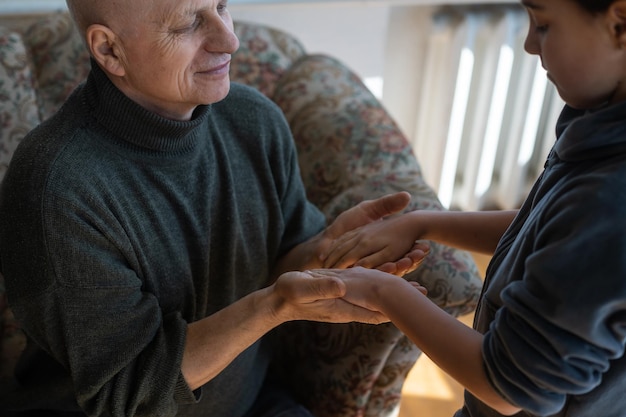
(531, 44)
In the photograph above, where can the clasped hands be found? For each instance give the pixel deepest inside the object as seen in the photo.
(338, 295)
(361, 236)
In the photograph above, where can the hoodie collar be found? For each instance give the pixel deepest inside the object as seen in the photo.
(588, 134)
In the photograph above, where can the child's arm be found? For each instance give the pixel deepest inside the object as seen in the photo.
(453, 346)
(370, 246)
(307, 254)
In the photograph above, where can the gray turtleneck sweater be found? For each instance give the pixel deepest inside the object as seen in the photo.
(119, 227)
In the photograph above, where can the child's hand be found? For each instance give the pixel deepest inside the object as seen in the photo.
(408, 263)
(366, 212)
(363, 287)
(388, 245)
(419, 287)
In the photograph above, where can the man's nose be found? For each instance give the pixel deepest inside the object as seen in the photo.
(221, 37)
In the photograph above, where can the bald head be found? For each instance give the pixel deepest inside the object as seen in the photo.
(87, 12)
(115, 14)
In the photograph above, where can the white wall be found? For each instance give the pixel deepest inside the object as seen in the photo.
(354, 34)
(378, 40)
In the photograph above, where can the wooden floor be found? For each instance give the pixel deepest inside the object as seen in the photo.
(429, 392)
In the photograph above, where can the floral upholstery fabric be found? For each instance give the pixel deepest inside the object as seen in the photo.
(350, 150)
(353, 369)
(18, 107)
(18, 115)
(329, 108)
(60, 57)
(263, 57)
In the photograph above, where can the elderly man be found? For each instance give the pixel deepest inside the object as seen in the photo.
(143, 226)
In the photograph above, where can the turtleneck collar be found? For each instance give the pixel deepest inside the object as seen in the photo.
(134, 124)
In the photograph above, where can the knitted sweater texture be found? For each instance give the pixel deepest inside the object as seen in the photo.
(119, 227)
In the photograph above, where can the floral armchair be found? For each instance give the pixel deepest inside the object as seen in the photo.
(350, 149)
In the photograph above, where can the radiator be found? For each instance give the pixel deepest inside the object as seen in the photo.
(487, 112)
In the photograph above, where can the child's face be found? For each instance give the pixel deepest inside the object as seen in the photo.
(582, 53)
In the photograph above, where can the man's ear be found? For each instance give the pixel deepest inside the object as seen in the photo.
(105, 48)
(617, 20)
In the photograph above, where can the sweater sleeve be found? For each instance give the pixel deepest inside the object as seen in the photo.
(73, 284)
(565, 320)
(82, 300)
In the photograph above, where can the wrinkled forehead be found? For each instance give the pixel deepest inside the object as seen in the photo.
(168, 11)
(163, 14)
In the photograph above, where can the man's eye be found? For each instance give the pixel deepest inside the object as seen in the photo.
(189, 27)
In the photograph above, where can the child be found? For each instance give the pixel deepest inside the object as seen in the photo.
(550, 330)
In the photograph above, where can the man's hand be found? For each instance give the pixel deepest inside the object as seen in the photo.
(303, 296)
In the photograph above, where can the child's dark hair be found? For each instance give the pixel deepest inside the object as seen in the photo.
(595, 6)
